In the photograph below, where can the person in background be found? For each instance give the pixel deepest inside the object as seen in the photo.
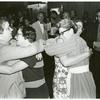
(26, 22)
(41, 33)
(66, 15)
(54, 19)
(94, 40)
(73, 14)
(52, 33)
(39, 27)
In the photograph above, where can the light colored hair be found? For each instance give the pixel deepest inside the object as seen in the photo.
(2, 20)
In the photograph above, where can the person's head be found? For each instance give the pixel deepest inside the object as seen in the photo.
(40, 16)
(66, 15)
(98, 15)
(67, 28)
(26, 36)
(5, 30)
(53, 14)
(26, 22)
(73, 13)
(79, 24)
(20, 14)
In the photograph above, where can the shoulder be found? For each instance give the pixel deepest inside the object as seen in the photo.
(79, 40)
(34, 24)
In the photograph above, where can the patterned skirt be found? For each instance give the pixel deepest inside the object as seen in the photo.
(74, 85)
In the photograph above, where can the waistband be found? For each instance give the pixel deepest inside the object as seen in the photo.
(34, 84)
(76, 70)
(80, 69)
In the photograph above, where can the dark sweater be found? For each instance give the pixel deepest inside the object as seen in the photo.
(30, 73)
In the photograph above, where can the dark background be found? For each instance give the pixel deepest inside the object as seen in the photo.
(13, 7)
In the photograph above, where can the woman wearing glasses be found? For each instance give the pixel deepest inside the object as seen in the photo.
(72, 78)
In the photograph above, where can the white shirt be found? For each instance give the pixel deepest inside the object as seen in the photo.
(42, 27)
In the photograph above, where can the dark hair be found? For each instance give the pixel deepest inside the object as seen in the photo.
(53, 12)
(98, 10)
(40, 12)
(29, 33)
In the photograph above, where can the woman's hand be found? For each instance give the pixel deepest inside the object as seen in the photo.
(91, 52)
(39, 56)
(40, 45)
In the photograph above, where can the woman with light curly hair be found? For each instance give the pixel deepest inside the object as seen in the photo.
(72, 78)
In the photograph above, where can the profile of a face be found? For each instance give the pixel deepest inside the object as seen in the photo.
(21, 41)
(98, 17)
(40, 17)
(66, 15)
(6, 32)
(65, 28)
(67, 34)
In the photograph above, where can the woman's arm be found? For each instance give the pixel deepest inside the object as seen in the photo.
(10, 69)
(68, 61)
(14, 52)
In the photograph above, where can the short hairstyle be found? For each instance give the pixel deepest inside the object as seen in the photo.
(40, 12)
(67, 13)
(98, 10)
(29, 33)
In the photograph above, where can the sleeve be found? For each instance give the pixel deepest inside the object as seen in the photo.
(9, 52)
(84, 48)
(31, 61)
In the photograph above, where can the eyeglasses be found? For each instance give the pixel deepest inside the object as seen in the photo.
(98, 16)
(64, 31)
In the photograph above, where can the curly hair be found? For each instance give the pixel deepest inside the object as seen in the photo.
(29, 33)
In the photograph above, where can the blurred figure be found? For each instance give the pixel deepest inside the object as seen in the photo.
(95, 43)
(39, 27)
(41, 33)
(27, 23)
(66, 15)
(54, 19)
(73, 14)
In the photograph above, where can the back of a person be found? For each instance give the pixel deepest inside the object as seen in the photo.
(81, 47)
(80, 74)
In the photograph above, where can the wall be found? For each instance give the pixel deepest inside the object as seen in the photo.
(80, 7)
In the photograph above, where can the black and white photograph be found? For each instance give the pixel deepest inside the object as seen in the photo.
(50, 49)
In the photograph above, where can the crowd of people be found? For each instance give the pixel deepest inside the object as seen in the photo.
(56, 57)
